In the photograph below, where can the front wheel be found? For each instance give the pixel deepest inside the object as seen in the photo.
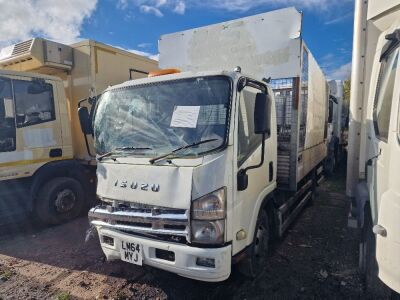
(252, 265)
(59, 200)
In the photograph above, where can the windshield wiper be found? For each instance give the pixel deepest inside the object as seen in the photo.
(153, 160)
(121, 149)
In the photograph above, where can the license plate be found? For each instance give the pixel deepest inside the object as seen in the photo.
(131, 252)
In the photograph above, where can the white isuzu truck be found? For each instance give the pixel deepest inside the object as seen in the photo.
(374, 142)
(201, 169)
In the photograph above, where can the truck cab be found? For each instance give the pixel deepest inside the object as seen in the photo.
(201, 169)
(188, 197)
(374, 143)
(35, 131)
(47, 165)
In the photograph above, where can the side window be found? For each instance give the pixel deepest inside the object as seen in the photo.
(248, 141)
(7, 121)
(384, 95)
(34, 102)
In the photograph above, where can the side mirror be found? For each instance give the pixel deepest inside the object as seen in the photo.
(262, 114)
(84, 119)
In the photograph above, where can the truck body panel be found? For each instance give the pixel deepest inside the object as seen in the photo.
(267, 45)
(264, 45)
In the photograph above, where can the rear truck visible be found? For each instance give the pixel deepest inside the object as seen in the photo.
(47, 165)
(374, 149)
(202, 169)
(337, 122)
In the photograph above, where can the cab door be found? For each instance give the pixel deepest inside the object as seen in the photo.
(384, 181)
(380, 127)
(261, 180)
(33, 131)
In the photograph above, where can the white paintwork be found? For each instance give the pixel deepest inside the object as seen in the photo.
(384, 186)
(185, 256)
(373, 21)
(247, 203)
(175, 184)
(377, 7)
(356, 97)
(264, 45)
(388, 248)
(317, 103)
(39, 138)
(6, 52)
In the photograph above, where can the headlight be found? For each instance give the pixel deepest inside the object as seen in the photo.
(208, 232)
(210, 206)
(208, 218)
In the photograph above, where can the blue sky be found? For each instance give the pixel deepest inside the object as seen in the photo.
(137, 24)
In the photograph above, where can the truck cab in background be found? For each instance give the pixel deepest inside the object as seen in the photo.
(336, 126)
(374, 147)
(46, 163)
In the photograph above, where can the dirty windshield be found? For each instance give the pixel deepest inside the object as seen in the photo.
(163, 116)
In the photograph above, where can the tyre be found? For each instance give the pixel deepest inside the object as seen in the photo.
(254, 263)
(368, 264)
(59, 200)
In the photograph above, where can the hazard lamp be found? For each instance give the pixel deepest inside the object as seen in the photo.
(163, 72)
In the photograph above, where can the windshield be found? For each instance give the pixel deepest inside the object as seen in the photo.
(159, 117)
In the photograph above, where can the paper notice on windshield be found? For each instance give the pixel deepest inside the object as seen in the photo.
(185, 116)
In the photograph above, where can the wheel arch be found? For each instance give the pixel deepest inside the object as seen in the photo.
(265, 203)
(362, 202)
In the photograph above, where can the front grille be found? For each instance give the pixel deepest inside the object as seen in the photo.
(146, 220)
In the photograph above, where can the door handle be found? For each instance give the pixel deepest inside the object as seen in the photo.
(271, 171)
(57, 152)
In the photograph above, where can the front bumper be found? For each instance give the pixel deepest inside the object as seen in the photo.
(185, 256)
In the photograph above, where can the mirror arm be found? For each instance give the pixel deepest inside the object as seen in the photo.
(262, 156)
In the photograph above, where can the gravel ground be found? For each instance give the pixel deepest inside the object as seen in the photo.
(317, 259)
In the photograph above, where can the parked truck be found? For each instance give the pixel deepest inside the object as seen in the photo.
(46, 164)
(374, 149)
(201, 169)
(336, 127)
